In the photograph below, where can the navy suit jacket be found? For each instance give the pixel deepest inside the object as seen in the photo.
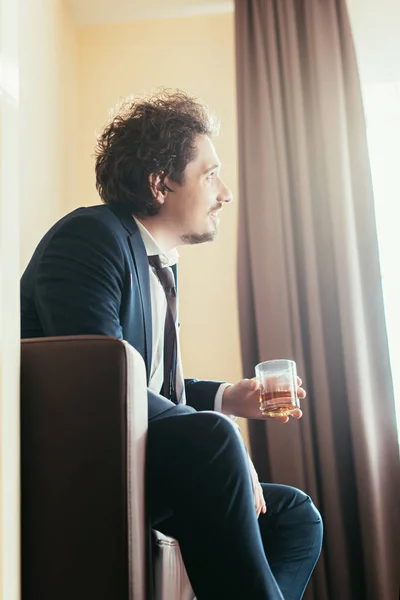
(90, 275)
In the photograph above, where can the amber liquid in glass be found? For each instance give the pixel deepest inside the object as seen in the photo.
(277, 403)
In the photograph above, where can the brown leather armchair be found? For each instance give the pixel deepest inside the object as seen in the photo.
(83, 441)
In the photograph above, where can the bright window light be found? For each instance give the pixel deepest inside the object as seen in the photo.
(382, 107)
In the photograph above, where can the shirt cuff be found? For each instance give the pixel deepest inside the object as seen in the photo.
(218, 400)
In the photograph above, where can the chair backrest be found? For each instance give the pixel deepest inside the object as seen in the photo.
(83, 435)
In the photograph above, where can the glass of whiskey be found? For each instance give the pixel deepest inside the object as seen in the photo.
(278, 387)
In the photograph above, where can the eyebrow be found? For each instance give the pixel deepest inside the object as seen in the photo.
(216, 166)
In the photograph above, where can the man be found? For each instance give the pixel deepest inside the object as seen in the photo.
(111, 270)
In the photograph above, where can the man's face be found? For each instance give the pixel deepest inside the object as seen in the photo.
(193, 207)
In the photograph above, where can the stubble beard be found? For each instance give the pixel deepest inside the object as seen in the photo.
(196, 238)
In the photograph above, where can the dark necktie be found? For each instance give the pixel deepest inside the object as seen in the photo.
(173, 374)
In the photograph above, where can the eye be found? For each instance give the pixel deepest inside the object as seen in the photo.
(211, 176)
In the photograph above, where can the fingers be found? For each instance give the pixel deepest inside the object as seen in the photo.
(301, 392)
(253, 384)
(282, 419)
(297, 414)
(259, 501)
(264, 505)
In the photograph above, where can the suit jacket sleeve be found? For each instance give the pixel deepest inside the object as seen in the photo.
(79, 280)
(201, 394)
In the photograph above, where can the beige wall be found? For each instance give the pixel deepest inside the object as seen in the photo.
(197, 55)
(39, 49)
(48, 117)
(9, 303)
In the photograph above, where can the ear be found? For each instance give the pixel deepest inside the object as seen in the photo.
(157, 188)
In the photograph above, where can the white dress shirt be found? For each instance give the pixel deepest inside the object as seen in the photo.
(158, 313)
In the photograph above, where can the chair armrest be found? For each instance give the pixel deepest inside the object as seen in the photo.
(136, 453)
(83, 436)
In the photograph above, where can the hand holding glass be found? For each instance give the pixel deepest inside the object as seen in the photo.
(278, 387)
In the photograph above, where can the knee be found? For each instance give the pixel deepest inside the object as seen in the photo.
(313, 524)
(314, 517)
(214, 424)
(304, 506)
(212, 434)
(288, 498)
(310, 513)
(305, 512)
(295, 507)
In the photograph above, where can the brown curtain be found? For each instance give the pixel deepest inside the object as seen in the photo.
(310, 288)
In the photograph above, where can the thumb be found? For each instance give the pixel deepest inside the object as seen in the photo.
(253, 383)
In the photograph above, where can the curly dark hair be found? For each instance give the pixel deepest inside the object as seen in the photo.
(153, 135)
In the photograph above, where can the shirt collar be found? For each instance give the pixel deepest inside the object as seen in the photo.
(167, 259)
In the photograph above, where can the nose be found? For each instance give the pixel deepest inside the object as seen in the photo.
(225, 194)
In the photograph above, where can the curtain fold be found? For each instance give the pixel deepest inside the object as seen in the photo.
(310, 286)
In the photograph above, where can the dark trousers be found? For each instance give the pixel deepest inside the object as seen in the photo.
(199, 491)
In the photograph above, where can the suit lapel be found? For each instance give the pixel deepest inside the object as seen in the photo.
(143, 274)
